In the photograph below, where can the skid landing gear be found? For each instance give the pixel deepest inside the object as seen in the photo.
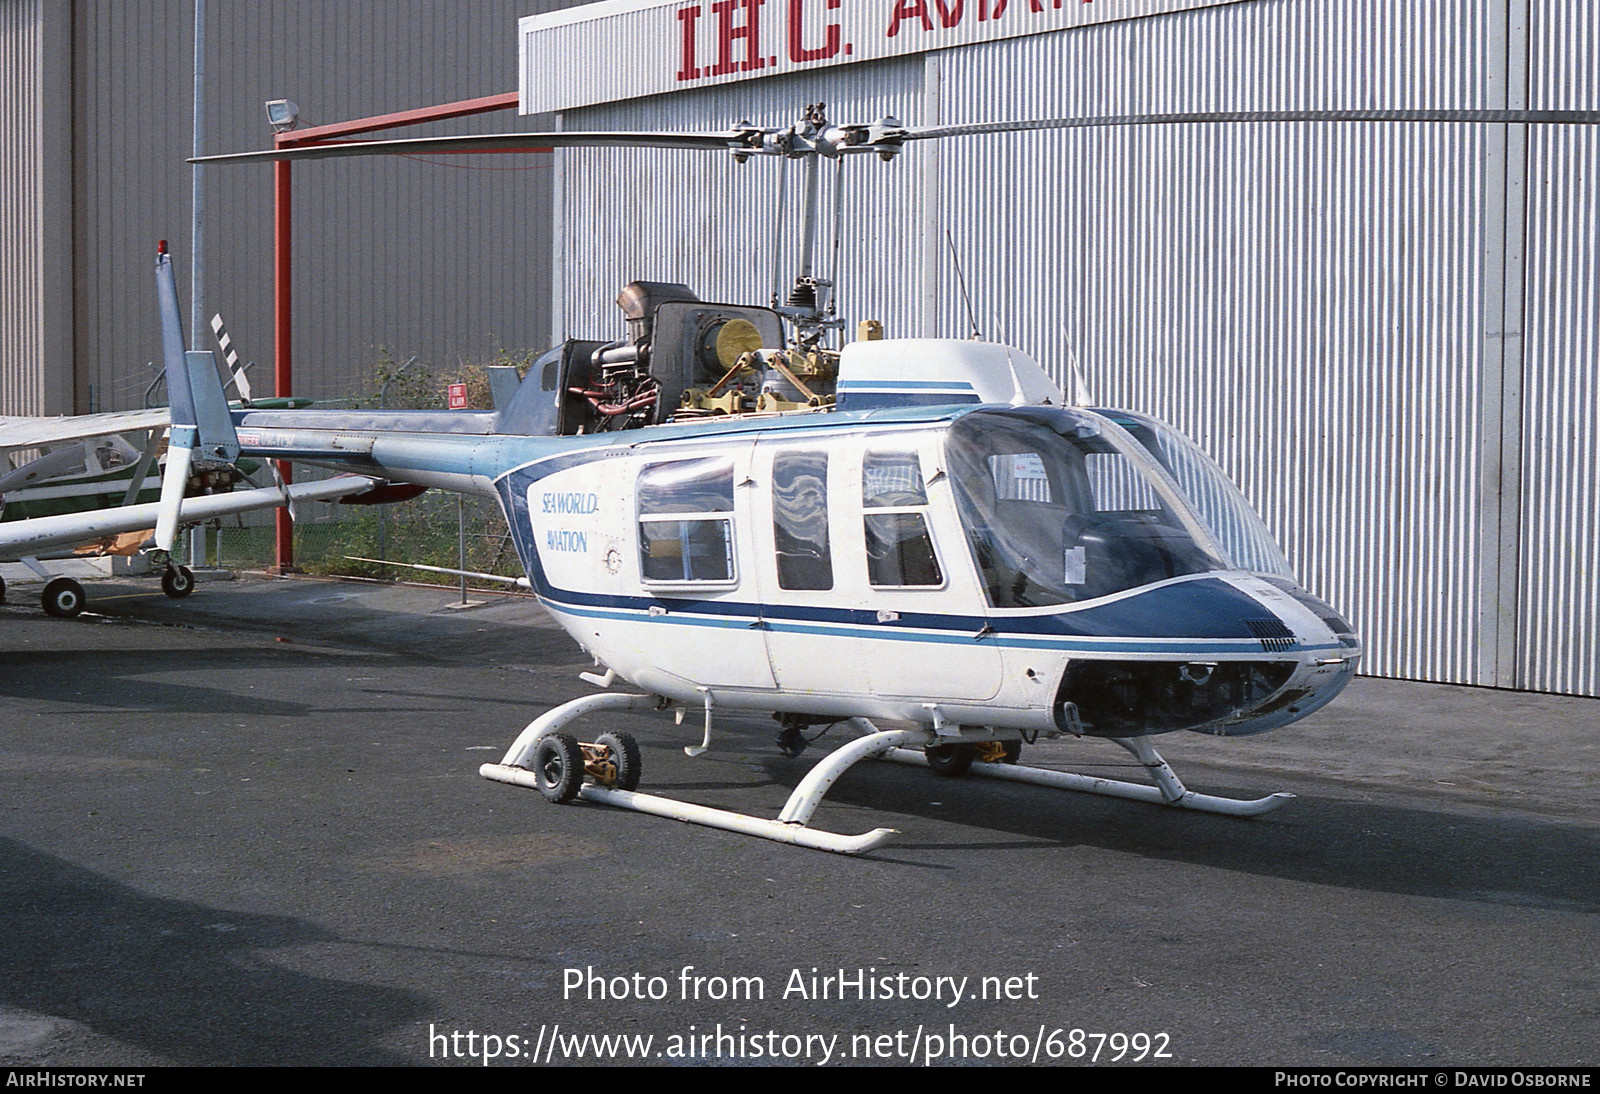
(1169, 789)
(528, 763)
(547, 759)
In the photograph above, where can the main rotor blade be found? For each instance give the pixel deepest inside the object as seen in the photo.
(480, 142)
(1524, 117)
(748, 140)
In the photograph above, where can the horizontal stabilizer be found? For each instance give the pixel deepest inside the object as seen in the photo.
(36, 432)
(386, 494)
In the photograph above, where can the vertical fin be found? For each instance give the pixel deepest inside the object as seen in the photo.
(503, 384)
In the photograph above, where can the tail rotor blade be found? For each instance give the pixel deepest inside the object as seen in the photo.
(230, 358)
(283, 488)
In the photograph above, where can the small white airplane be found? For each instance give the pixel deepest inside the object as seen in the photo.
(84, 482)
(925, 530)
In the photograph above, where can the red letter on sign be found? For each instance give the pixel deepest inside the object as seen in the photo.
(687, 16)
(830, 44)
(727, 32)
(909, 9)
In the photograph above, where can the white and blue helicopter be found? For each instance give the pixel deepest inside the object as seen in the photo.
(729, 516)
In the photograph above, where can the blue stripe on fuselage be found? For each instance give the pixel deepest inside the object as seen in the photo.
(1206, 614)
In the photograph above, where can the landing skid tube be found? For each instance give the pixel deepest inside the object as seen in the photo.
(1169, 789)
(792, 823)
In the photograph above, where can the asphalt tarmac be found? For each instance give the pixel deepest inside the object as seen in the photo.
(247, 828)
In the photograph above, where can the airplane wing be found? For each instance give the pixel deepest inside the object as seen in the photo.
(22, 538)
(37, 432)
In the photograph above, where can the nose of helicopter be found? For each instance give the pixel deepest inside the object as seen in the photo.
(1329, 652)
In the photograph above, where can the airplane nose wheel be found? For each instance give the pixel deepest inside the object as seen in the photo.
(177, 582)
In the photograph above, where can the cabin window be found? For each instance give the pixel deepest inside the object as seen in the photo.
(899, 548)
(686, 521)
(800, 520)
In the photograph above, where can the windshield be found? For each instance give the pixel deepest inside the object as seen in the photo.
(1061, 505)
(1233, 524)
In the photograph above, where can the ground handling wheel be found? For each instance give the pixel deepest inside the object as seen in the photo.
(63, 598)
(950, 760)
(558, 767)
(614, 760)
(997, 752)
(177, 582)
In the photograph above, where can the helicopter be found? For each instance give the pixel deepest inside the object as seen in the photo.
(729, 514)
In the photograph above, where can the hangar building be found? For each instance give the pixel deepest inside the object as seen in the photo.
(1387, 334)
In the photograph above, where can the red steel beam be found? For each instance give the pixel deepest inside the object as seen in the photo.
(282, 344)
(463, 109)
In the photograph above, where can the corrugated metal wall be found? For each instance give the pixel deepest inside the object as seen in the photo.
(684, 216)
(1335, 312)
(443, 259)
(35, 211)
(1304, 301)
(1559, 592)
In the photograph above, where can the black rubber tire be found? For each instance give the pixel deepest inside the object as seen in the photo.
(624, 750)
(949, 760)
(1013, 752)
(177, 582)
(63, 598)
(2, 590)
(558, 767)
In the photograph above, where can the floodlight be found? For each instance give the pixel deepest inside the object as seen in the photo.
(282, 114)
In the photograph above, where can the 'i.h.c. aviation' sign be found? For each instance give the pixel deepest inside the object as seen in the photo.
(622, 49)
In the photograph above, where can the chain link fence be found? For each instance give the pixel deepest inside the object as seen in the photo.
(435, 529)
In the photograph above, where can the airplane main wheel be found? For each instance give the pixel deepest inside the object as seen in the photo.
(623, 751)
(177, 582)
(558, 767)
(949, 760)
(63, 598)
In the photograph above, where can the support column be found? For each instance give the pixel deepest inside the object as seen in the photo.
(282, 364)
(1503, 243)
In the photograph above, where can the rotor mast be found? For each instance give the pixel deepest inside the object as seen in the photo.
(810, 307)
